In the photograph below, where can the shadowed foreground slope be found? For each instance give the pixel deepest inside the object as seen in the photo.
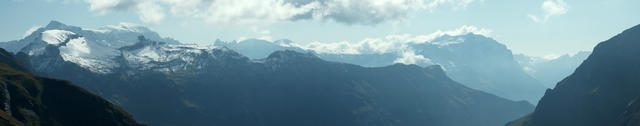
(601, 92)
(30, 100)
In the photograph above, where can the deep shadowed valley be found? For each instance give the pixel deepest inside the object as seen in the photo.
(30, 100)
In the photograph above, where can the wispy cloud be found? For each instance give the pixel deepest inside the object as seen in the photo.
(366, 12)
(263, 34)
(550, 8)
(533, 17)
(396, 43)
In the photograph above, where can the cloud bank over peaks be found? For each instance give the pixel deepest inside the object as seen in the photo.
(389, 43)
(398, 44)
(365, 12)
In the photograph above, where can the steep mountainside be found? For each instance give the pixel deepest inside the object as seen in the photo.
(474, 60)
(30, 100)
(601, 92)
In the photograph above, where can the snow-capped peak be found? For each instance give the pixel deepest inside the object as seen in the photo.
(55, 37)
(55, 25)
(166, 57)
(96, 50)
(113, 48)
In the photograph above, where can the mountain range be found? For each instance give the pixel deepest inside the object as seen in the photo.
(474, 60)
(603, 90)
(163, 82)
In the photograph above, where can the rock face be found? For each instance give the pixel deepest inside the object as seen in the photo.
(602, 91)
(26, 99)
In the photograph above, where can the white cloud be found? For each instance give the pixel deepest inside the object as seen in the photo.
(551, 8)
(241, 39)
(261, 33)
(389, 43)
(410, 57)
(239, 11)
(551, 56)
(342, 47)
(534, 18)
(465, 29)
(558, 7)
(105, 6)
(365, 12)
(63, 1)
(396, 43)
(457, 4)
(148, 10)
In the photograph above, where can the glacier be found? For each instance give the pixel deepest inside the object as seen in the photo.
(101, 50)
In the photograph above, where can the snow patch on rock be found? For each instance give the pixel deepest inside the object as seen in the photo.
(169, 57)
(91, 55)
(55, 37)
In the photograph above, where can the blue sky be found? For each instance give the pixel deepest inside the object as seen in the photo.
(532, 27)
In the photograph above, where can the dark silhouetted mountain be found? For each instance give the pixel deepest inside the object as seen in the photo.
(35, 101)
(15, 62)
(163, 83)
(551, 71)
(602, 91)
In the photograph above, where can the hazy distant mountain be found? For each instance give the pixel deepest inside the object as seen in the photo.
(474, 60)
(26, 99)
(551, 71)
(602, 91)
(163, 83)
(482, 63)
(256, 48)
